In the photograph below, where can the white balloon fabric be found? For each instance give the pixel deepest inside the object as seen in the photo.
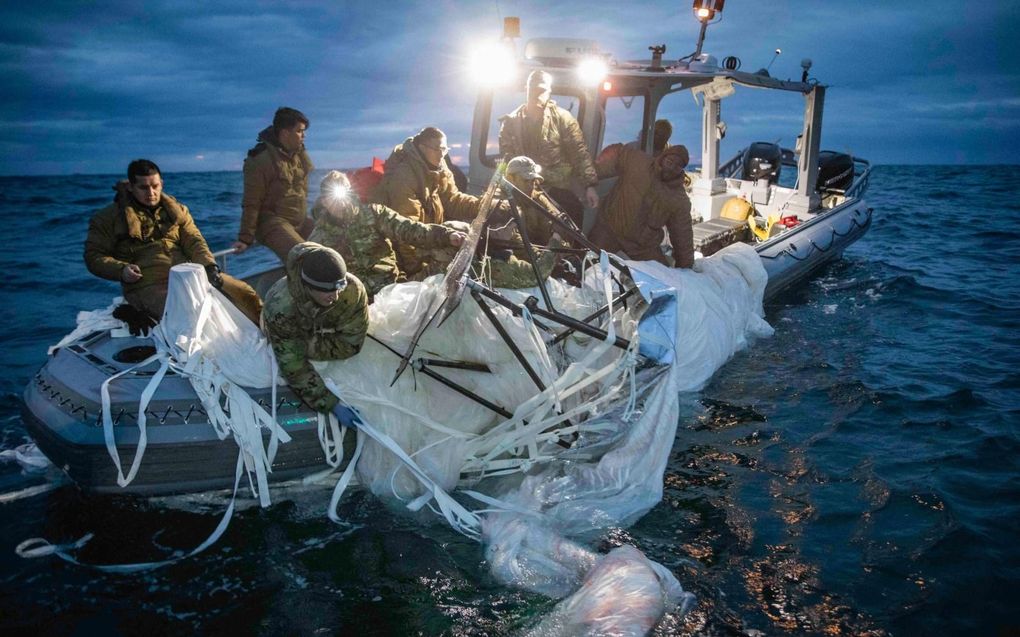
(624, 422)
(574, 447)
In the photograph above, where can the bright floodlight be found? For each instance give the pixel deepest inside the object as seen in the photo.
(492, 64)
(592, 71)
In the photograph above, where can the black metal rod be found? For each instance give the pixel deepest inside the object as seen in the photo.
(591, 317)
(530, 252)
(463, 391)
(506, 339)
(466, 365)
(502, 300)
(467, 393)
(584, 328)
(568, 229)
(385, 344)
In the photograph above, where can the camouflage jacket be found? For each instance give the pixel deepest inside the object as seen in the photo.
(275, 187)
(428, 195)
(366, 240)
(301, 330)
(558, 146)
(125, 232)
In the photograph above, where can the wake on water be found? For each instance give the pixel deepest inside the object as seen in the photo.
(537, 504)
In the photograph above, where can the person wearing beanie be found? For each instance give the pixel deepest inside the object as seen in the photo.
(649, 195)
(274, 207)
(141, 235)
(364, 234)
(319, 311)
(419, 185)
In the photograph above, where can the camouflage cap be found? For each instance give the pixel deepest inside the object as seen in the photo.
(524, 167)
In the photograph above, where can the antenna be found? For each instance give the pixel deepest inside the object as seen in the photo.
(806, 65)
(765, 71)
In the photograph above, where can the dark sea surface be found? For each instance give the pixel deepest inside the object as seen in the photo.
(857, 473)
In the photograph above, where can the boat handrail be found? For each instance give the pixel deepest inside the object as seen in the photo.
(733, 166)
(223, 254)
(860, 185)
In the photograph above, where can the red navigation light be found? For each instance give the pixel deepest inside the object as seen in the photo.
(607, 86)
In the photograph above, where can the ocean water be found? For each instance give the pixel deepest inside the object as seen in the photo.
(857, 473)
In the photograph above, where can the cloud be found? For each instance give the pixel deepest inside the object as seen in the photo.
(89, 86)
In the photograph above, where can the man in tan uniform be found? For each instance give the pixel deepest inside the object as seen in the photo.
(275, 202)
(418, 185)
(648, 196)
(142, 234)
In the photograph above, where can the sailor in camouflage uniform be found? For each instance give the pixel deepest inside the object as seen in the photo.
(364, 234)
(319, 311)
(551, 136)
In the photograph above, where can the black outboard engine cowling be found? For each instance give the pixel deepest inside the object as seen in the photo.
(762, 160)
(835, 171)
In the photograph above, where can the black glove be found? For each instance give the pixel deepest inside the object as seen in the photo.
(139, 322)
(215, 278)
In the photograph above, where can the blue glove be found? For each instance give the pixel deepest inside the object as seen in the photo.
(348, 416)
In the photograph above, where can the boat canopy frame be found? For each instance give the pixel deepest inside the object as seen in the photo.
(636, 79)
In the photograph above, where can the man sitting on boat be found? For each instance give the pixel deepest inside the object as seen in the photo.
(418, 185)
(275, 202)
(648, 196)
(319, 311)
(551, 136)
(364, 234)
(141, 235)
(525, 177)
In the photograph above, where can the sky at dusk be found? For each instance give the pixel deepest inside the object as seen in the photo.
(89, 86)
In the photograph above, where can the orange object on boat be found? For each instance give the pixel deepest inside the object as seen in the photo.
(364, 180)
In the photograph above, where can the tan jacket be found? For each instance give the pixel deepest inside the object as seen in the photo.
(275, 187)
(559, 147)
(124, 232)
(421, 193)
(633, 214)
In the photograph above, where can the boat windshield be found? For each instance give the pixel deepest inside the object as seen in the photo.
(625, 119)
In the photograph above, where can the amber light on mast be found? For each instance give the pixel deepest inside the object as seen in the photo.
(704, 11)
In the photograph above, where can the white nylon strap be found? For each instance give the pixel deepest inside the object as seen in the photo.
(108, 437)
(38, 547)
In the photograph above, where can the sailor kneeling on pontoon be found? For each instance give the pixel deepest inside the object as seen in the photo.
(319, 311)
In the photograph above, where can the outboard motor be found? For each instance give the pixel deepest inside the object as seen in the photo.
(835, 171)
(762, 160)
